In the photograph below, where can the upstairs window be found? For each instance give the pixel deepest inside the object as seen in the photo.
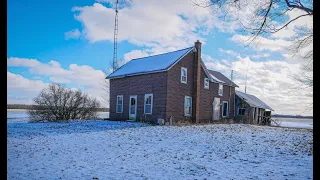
(187, 105)
(241, 111)
(184, 75)
(206, 83)
(220, 91)
(119, 108)
(148, 102)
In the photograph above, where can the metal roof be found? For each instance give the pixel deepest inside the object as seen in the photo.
(219, 77)
(150, 64)
(253, 101)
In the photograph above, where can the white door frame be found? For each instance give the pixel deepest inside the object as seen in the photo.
(135, 109)
(216, 109)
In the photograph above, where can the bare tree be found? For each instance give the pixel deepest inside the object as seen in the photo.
(58, 103)
(105, 86)
(105, 83)
(266, 17)
(263, 15)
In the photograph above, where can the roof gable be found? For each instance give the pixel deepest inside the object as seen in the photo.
(150, 64)
(220, 78)
(252, 100)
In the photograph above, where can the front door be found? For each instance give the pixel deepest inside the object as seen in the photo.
(133, 108)
(216, 109)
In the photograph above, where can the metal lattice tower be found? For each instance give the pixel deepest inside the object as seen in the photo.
(231, 75)
(115, 48)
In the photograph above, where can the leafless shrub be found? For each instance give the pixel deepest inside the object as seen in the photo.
(57, 103)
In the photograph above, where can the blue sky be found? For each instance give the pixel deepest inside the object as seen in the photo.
(71, 41)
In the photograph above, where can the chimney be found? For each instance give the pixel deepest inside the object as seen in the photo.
(197, 74)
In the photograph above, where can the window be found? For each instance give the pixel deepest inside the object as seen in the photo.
(119, 108)
(220, 91)
(187, 106)
(206, 83)
(225, 109)
(241, 111)
(184, 75)
(148, 101)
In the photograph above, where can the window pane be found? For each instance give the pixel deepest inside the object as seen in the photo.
(119, 108)
(133, 101)
(119, 99)
(148, 99)
(147, 108)
(187, 110)
(184, 72)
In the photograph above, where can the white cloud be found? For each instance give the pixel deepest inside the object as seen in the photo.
(162, 26)
(73, 34)
(134, 54)
(230, 52)
(262, 43)
(16, 81)
(258, 56)
(270, 81)
(289, 31)
(21, 90)
(85, 77)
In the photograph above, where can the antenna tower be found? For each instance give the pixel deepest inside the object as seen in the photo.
(245, 86)
(231, 75)
(115, 48)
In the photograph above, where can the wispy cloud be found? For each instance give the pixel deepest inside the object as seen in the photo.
(73, 34)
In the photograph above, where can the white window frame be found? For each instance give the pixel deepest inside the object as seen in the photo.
(185, 98)
(119, 104)
(183, 68)
(244, 111)
(225, 102)
(144, 106)
(206, 86)
(220, 94)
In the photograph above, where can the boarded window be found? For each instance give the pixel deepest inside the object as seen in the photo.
(206, 83)
(241, 111)
(187, 106)
(119, 108)
(148, 102)
(184, 73)
(220, 91)
(224, 109)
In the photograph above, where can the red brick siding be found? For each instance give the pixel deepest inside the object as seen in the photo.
(207, 97)
(155, 84)
(177, 91)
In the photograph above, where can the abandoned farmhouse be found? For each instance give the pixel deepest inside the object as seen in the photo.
(177, 86)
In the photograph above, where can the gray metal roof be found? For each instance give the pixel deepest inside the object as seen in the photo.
(222, 78)
(253, 101)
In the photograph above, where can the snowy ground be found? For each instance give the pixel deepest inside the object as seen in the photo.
(114, 150)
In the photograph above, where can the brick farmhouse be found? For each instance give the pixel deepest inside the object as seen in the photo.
(174, 86)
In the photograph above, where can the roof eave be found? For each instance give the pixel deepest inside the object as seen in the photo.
(136, 74)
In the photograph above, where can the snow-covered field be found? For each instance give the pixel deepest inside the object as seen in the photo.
(116, 150)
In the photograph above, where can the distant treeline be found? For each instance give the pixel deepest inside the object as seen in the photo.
(291, 116)
(26, 106)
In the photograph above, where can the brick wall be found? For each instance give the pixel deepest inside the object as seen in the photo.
(177, 91)
(140, 85)
(207, 97)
